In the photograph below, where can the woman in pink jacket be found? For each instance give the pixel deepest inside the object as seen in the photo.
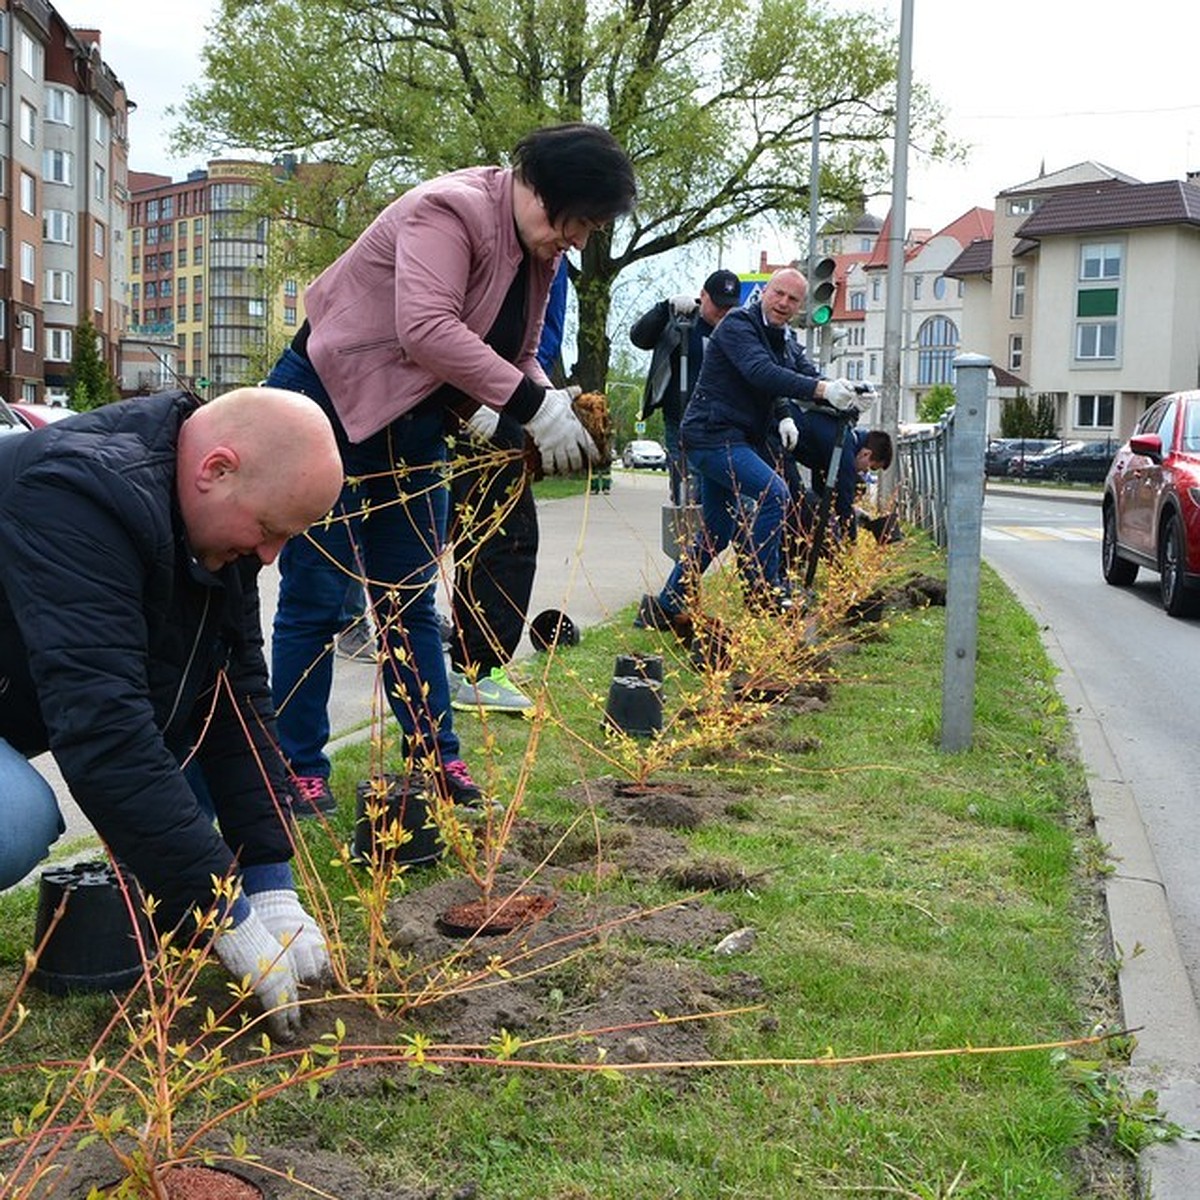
(438, 303)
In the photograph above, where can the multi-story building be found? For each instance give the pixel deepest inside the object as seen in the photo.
(63, 166)
(1089, 294)
(199, 283)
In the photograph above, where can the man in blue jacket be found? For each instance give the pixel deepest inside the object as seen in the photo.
(130, 646)
(750, 369)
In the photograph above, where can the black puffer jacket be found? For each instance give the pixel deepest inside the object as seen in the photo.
(118, 651)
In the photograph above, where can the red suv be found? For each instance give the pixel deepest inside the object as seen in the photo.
(1152, 503)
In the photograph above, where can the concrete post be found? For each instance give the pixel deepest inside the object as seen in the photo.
(964, 521)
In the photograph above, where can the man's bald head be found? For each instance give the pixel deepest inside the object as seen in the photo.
(255, 467)
(784, 296)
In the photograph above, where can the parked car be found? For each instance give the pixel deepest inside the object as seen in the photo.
(645, 453)
(34, 416)
(1070, 462)
(1151, 504)
(1001, 452)
(9, 421)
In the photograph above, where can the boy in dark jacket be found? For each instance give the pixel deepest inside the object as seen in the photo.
(130, 645)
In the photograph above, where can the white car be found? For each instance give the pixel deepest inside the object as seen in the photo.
(645, 453)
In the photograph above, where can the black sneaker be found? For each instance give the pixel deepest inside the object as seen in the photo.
(311, 796)
(356, 640)
(460, 787)
(652, 615)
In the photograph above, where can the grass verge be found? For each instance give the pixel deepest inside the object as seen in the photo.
(902, 900)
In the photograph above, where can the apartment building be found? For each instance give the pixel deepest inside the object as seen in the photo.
(63, 194)
(202, 296)
(1089, 293)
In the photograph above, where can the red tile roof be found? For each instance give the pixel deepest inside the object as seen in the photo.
(1092, 208)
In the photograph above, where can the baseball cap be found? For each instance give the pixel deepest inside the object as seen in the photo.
(724, 289)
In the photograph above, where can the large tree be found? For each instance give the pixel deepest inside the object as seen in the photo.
(713, 99)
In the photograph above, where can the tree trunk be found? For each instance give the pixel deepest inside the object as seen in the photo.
(593, 287)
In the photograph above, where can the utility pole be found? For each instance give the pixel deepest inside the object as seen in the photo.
(889, 408)
(814, 202)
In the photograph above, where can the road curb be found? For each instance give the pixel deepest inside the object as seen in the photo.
(1155, 992)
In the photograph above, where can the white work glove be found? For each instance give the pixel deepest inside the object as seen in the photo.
(482, 423)
(560, 436)
(839, 392)
(256, 960)
(789, 435)
(281, 912)
(684, 307)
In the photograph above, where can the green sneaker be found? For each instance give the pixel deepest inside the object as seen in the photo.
(495, 692)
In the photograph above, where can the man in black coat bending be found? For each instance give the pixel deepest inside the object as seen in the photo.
(130, 646)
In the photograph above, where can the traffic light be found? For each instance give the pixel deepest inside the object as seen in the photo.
(822, 288)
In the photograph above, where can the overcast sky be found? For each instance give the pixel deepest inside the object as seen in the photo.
(1027, 83)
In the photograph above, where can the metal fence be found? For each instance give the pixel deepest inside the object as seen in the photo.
(923, 465)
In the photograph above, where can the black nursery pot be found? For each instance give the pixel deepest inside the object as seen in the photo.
(553, 628)
(406, 801)
(93, 947)
(635, 695)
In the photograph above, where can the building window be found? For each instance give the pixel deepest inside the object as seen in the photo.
(58, 166)
(182, 230)
(1094, 412)
(98, 238)
(289, 314)
(1100, 260)
(3, 253)
(99, 181)
(28, 194)
(60, 287)
(197, 255)
(166, 260)
(151, 292)
(939, 288)
(152, 235)
(28, 123)
(917, 281)
(28, 332)
(1017, 304)
(58, 226)
(183, 256)
(289, 287)
(858, 300)
(135, 293)
(1020, 207)
(28, 263)
(256, 308)
(198, 227)
(164, 289)
(1016, 351)
(151, 263)
(181, 313)
(876, 289)
(1096, 341)
(98, 295)
(29, 55)
(167, 212)
(937, 346)
(151, 212)
(60, 106)
(3, 304)
(197, 284)
(59, 345)
(100, 128)
(136, 265)
(197, 312)
(29, 390)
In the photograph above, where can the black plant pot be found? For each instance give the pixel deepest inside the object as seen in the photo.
(93, 947)
(635, 696)
(553, 628)
(640, 666)
(405, 806)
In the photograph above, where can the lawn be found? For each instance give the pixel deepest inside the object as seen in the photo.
(905, 925)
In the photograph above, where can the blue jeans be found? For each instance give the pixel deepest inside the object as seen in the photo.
(733, 477)
(396, 480)
(30, 822)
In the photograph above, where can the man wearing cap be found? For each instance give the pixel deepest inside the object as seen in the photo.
(675, 330)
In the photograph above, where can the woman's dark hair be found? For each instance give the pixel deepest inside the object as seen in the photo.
(578, 170)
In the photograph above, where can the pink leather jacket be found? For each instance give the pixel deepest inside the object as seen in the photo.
(405, 309)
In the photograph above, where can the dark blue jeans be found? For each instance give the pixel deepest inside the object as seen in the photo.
(734, 477)
(390, 530)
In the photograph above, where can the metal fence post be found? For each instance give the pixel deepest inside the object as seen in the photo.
(964, 521)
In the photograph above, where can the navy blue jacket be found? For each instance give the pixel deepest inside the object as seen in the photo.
(749, 369)
(815, 448)
(118, 650)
